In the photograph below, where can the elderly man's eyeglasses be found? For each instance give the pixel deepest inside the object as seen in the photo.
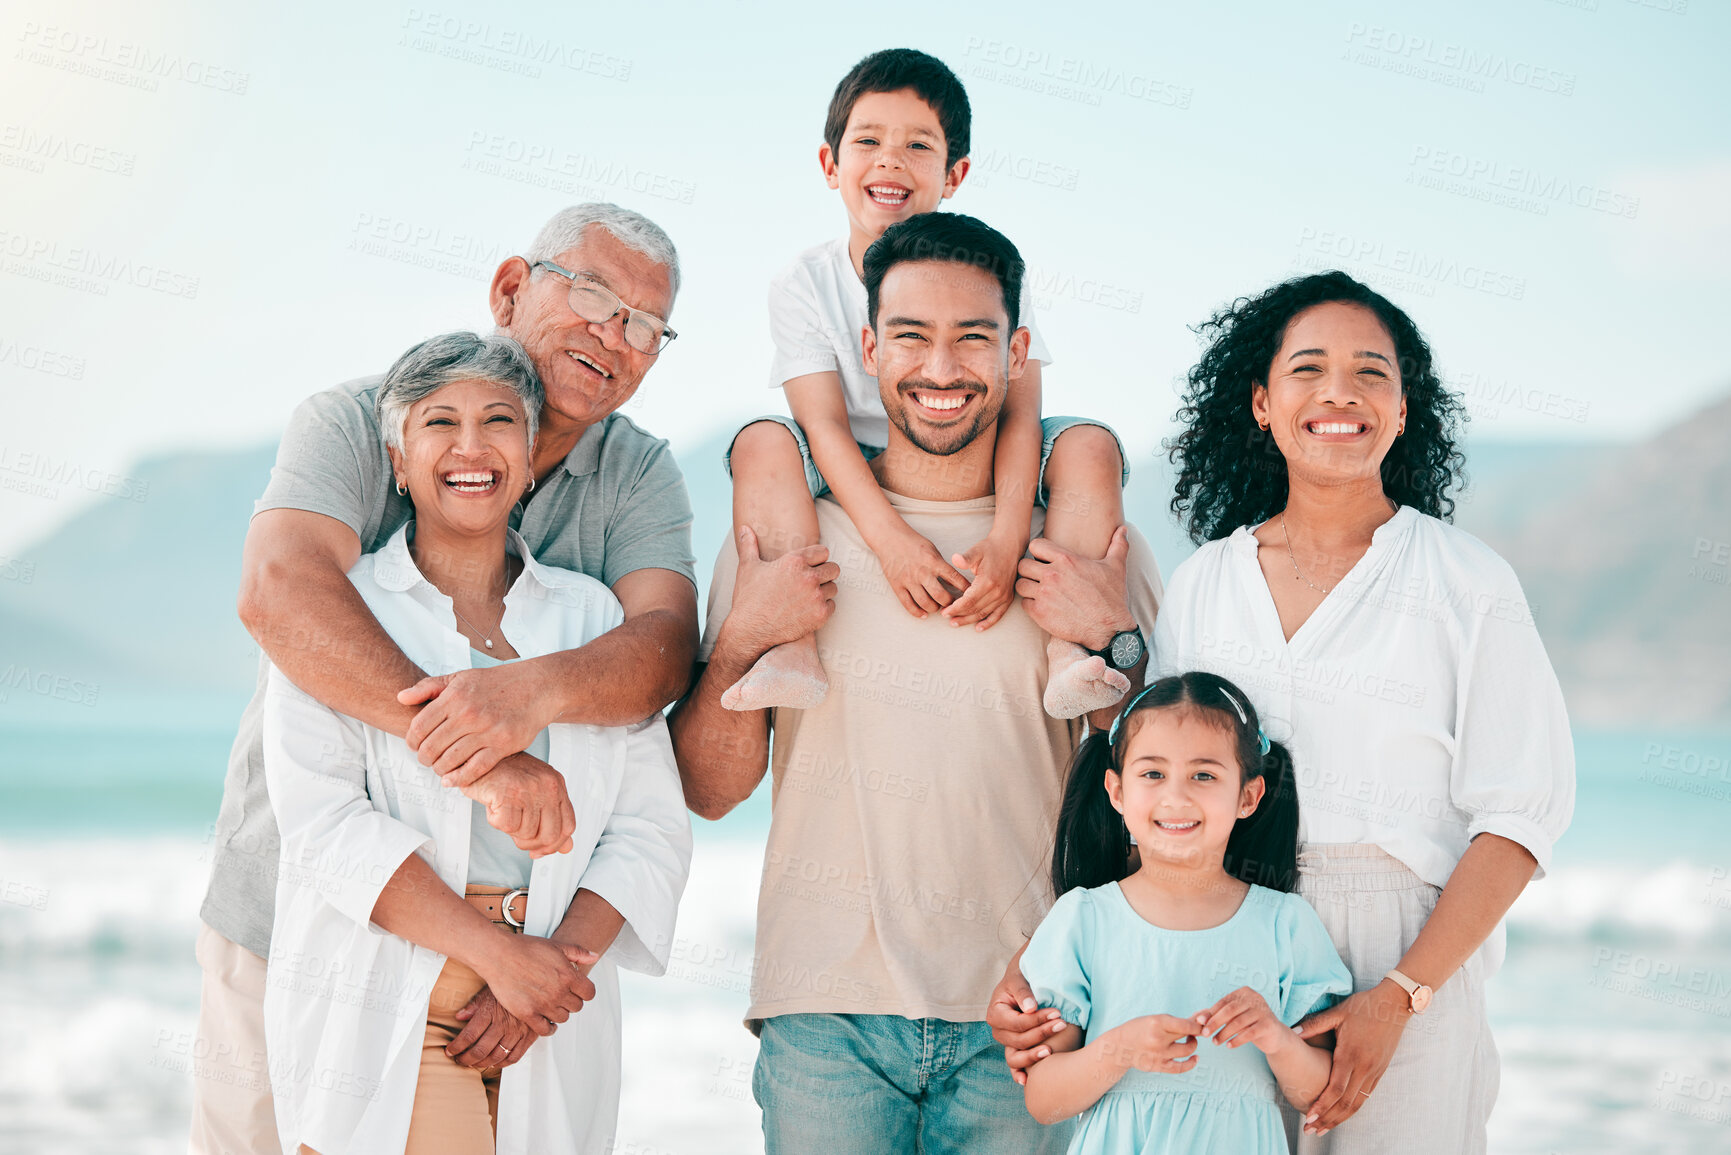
(595, 302)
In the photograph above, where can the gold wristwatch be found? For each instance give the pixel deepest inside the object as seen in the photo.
(1417, 992)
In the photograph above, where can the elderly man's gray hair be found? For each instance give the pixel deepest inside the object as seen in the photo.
(440, 361)
(633, 230)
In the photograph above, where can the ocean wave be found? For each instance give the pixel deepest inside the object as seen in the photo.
(1676, 902)
(139, 897)
(101, 896)
(96, 939)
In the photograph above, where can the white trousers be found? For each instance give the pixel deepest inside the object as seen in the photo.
(1436, 1096)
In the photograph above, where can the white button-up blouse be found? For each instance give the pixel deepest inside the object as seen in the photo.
(1417, 699)
(346, 1002)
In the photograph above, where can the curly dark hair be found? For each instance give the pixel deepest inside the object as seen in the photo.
(1231, 473)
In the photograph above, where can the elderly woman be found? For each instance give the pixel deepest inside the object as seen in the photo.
(1397, 659)
(421, 962)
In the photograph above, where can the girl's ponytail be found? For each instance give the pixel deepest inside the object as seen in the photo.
(1263, 848)
(1092, 846)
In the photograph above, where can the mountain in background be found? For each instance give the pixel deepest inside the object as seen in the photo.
(1624, 552)
(1627, 564)
(132, 594)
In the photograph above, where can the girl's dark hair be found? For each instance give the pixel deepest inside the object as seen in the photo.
(1093, 844)
(1231, 473)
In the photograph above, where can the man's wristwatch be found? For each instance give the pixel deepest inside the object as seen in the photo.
(1416, 992)
(1124, 650)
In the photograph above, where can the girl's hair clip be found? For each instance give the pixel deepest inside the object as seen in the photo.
(1262, 741)
(1112, 734)
(1243, 718)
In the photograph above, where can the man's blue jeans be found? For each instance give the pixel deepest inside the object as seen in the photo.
(885, 1085)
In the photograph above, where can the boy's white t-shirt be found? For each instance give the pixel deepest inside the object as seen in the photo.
(817, 307)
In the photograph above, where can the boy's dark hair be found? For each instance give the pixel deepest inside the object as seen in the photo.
(945, 237)
(892, 70)
(1092, 846)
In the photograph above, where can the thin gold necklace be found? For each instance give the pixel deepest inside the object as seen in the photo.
(486, 637)
(1296, 572)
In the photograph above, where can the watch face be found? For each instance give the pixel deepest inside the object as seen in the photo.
(1420, 999)
(1126, 649)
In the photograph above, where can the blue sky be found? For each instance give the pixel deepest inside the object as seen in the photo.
(208, 213)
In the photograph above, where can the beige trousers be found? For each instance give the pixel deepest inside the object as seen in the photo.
(231, 1104)
(1436, 1096)
(456, 1108)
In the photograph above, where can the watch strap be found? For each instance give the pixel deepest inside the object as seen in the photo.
(1410, 986)
(1106, 653)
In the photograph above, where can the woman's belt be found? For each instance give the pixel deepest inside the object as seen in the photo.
(507, 906)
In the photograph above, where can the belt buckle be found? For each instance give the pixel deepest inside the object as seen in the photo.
(505, 907)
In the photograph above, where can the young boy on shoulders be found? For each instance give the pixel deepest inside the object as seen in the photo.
(896, 144)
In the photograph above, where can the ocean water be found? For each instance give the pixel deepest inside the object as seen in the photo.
(1613, 1012)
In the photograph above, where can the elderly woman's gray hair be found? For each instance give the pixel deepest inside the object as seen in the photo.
(451, 357)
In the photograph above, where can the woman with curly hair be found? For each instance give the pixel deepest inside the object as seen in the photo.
(1395, 656)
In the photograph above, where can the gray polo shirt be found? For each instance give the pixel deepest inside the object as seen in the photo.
(618, 504)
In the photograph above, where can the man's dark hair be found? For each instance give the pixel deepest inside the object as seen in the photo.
(892, 70)
(953, 237)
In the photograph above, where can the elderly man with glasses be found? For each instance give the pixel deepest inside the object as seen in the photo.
(589, 302)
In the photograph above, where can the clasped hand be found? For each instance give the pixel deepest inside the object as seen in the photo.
(1367, 1029)
(1168, 1044)
(927, 584)
(1161, 1043)
(470, 719)
(533, 984)
(472, 729)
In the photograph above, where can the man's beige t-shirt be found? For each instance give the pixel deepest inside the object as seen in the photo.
(913, 809)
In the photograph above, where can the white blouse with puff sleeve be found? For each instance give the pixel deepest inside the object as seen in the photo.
(1417, 699)
(346, 1002)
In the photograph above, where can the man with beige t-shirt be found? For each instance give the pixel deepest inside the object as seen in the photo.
(913, 808)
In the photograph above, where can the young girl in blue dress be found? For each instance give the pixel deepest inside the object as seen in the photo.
(1177, 951)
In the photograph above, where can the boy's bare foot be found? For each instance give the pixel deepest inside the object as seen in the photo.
(788, 675)
(1078, 682)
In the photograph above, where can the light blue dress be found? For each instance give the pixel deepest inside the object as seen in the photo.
(1103, 964)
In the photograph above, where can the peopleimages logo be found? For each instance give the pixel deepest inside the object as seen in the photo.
(123, 61)
(1068, 77)
(47, 684)
(504, 49)
(39, 359)
(1423, 270)
(1526, 187)
(50, 473)
(34, 149)
(551, 165)
(1443, 61)
(87, 268)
